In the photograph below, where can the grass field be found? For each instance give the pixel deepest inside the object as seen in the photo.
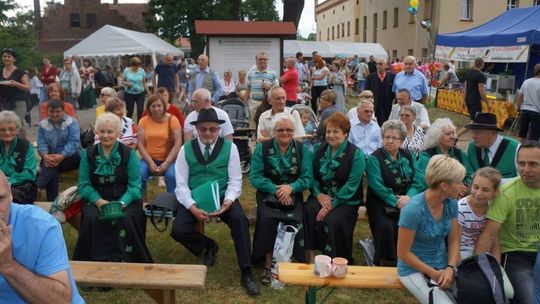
(223, 280)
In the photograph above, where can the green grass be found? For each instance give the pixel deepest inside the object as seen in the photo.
(223, 280)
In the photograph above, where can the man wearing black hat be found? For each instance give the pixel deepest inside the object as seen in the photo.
(210, 157)
(489, 148)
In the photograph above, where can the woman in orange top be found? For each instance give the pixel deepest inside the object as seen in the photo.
(55, 91)
(159, 139)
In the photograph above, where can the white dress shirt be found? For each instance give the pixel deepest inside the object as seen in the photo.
(267, 118)
(226, 127)
(234, 184)
(366, 137)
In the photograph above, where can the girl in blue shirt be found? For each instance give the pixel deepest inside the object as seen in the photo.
(424, 224)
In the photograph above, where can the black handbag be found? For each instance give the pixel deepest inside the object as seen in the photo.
(24, 193)
(272, 201)
(161, 210)
(392, 212)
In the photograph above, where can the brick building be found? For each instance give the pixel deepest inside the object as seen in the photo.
(64, 25)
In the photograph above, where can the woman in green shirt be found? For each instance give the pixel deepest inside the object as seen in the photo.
(332, 208)
(281, 170)
(17, 159)
(393, 178)
(109, 171)
(441, 139)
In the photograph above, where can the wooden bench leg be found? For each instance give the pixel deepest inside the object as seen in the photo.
(162, 296)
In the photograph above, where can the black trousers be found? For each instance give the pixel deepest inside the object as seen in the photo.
(49, 177)
(184, 233)
(133, 100)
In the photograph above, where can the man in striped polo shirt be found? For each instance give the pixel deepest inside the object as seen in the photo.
(259, 80)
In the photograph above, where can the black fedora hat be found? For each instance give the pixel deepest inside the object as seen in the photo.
(484, 121)
(207, 115)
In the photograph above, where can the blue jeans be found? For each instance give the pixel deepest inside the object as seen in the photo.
(536, 279)
(519, 268)
(170, 179)
(361, 85)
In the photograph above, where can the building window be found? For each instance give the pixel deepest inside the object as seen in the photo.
(91, 20)
(536, 2)
(338, 31)
(319, 36)
(512, 4)
(396, 16)
(348, 29)
(343, 8)
(75, 20)
(412, 19)
(343, 29)
(364, 30)
(327, 34)
(334, 12)
(384, 19)
(333, 36)
(394, 54)
(375, 27)
(466, 9)
(323, 16)
(357, 26)
(409, 52)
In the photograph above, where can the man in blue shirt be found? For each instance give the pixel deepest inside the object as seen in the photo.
(365, 133)
(167, 74)
(413, 80)
(34, 267)
(203, 77)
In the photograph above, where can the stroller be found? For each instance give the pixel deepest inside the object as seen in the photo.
(238, 113)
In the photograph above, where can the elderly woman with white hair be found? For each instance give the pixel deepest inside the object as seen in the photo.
(394, 177)
(280, 171)
(105, 93)
(109, 172)
(332, 208)
(441, 139)
(414, 141)
(429, 235)
(17, 159)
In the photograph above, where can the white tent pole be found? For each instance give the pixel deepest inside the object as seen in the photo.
(154, 59)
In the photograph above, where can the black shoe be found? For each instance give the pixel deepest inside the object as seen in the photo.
(209, 255)
(252, 288)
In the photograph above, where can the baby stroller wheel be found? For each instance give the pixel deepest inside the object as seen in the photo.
(246, 166)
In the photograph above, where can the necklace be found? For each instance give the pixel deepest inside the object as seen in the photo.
(7, 72)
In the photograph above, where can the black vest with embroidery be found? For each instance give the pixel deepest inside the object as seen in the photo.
(111, 187)
(341, 175)
(457, 153)
(288, 177)
(21, 147)
(390, 179)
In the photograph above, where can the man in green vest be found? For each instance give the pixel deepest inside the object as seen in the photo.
(205, 158)
(489, 148)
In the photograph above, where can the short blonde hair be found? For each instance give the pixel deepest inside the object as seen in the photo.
(109, 118)
(443, 168)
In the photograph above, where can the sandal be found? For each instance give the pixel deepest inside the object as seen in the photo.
(266, 275)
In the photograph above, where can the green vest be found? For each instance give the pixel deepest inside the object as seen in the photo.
(216, 168)
(504, 160)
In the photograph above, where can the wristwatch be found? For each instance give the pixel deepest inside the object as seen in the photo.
(454, 268)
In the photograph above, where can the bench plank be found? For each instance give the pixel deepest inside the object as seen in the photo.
(357, 277)
(139, 275)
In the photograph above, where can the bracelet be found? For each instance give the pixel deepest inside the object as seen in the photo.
(454, 268)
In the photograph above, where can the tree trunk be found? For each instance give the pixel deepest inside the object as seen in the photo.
(292, 11)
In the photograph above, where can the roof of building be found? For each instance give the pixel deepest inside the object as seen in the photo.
(134, 13)
(244, 28)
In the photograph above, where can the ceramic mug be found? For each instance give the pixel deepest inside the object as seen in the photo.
(323, 266)
(339, 267)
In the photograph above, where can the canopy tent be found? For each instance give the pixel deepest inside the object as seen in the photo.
(512, 38)
(116, 41)
(333, 49)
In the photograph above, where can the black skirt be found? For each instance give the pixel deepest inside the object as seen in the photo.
(266, 228)
(106, 241)
(383, 228)
(333, 235)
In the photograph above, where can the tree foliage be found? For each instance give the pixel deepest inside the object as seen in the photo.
(176, 18)
(18, 33)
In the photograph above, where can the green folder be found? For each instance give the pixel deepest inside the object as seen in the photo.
(206, 196)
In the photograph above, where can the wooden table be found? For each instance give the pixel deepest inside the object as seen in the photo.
(159, 281)
(357, 277)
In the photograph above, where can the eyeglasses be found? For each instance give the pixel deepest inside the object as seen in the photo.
(102, 95)
(284, 130)
(393, 138)
(207, 129)
(11, 130)
(405, 115)
(368, 111)
(380, 63)
(367, 96)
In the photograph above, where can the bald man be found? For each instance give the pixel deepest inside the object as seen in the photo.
(202, 77)
(167, 76)
(289, 81)
(413, 80)
(34, 267)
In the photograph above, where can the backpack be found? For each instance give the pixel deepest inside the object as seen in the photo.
(480, 280)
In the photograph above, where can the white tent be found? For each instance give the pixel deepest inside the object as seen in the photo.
(332, 49)
(116, 41)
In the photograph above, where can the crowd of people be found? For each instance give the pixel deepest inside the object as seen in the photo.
(386, 155)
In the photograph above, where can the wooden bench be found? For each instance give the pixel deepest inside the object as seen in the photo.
(357, 277)
(159, 281)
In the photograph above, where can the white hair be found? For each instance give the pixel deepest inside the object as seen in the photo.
(433, 134)
(109, 118)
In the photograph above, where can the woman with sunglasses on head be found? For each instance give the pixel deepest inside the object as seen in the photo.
(280, 170)
(14, 85)
(332, 208)
(158, 139)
